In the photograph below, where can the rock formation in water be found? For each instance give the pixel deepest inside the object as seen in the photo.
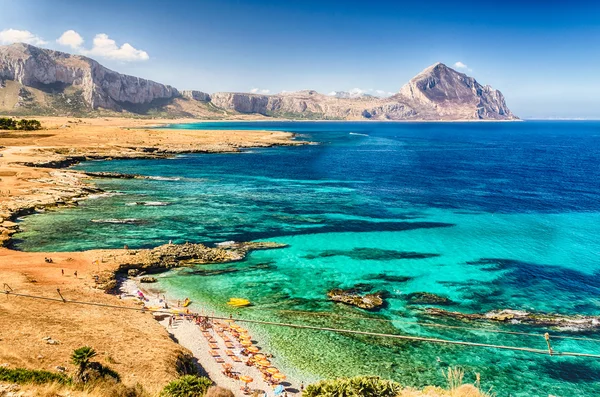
(351, 297)
(40, 81)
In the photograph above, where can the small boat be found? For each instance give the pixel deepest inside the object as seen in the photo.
(186, 302)
(238, 302)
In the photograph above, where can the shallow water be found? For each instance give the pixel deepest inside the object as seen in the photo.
(490, 215)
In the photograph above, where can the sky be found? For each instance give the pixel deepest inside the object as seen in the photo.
(543, 55)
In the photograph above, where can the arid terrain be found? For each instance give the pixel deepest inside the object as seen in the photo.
(133, 344)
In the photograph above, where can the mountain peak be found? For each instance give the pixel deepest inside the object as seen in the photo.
(439, 89)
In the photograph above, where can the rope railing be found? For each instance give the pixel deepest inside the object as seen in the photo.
(548, 351)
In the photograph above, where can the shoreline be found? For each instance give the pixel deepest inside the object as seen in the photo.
(34, 180)
(191, 337)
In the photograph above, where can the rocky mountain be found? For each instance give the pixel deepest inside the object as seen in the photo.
(41, 81)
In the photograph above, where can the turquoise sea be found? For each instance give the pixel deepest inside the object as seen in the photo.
(489, 215)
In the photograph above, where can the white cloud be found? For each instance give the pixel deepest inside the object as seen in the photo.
(70, 38)
(106, 47)
(260, 91)
(9, 36)
(460, 65)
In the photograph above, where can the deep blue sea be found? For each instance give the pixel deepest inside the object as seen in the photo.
(489, 215)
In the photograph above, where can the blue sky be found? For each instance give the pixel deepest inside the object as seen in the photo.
(543, 55)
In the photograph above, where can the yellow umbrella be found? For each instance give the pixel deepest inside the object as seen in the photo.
(259, 356)
(263, 363)
(246, 379)
(279, 376)
(272, 370)
(245, 337)
(246, 343)
(234, 326)
(253, 349)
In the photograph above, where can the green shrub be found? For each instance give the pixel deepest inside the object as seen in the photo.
(22, 375)
(7, 123)
(359, 386)
(187, 386)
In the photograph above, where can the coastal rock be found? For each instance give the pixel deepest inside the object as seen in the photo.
(133, 272)
(148, 279)
(349, 297)
(175, 255)
(563, 322)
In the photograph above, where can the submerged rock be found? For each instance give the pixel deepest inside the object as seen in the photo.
(428, 298)
(148, 279)
(349, 297)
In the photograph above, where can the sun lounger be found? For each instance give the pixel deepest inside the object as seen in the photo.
(213, 353)
(229, 353)
(213, 345)
(229, 345)
(236, 359)
(219, 360)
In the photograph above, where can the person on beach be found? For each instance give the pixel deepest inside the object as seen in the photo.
(75, 273)
(170, 321)
(62, 271)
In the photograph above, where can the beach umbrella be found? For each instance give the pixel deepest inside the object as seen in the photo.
(246, 379)
(245, 337)
(278, 390)
(246, 343)
(279, 376)
(259, 356)
(272, 370)
(253, 349)
(263, 363)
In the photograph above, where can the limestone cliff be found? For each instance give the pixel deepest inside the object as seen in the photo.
(98, 87)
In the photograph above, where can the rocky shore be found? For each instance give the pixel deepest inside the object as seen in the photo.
(32, 177)
(562, 322)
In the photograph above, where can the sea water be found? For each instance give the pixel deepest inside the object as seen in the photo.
(489, 215)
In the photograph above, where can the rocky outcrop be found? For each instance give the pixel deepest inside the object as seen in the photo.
(55, 71)
(564, 322)
(350, 297)
(196, 95)
(175, 255)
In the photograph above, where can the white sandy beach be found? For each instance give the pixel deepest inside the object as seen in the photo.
(191, 336)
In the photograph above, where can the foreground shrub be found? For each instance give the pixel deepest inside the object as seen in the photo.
(22, 376)
(187, 386)
(359, 386)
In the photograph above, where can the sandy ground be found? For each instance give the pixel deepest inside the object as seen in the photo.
(190, 336)
(130, 342)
